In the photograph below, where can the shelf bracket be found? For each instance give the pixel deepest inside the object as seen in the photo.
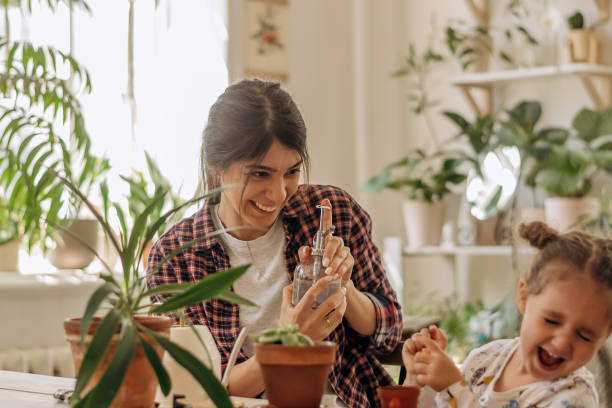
(603, 7)
(481, 12)
(485, 107)
(602, 98)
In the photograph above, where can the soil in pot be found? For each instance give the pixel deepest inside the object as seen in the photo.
(295, 376)
(140, 383)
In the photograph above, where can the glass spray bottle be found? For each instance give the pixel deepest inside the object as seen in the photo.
(305, 275)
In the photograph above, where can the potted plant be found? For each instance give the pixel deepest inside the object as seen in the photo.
(535, 146)
(567, 174)
(426, 179)
(42, 106)
(294, 368)
(583, 43)
(117, 356)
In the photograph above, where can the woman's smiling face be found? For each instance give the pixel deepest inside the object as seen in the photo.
(269, 185)
(563, 325)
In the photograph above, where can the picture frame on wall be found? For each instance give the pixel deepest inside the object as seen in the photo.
(266, 39)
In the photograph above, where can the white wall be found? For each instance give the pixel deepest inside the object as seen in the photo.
(341, 55)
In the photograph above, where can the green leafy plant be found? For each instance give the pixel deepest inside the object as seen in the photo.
(479, 134)
(286, 335)
(141, 195)
(575, 21)
(42, 130)
(570, 168)
(424, 177)
(467, 43)
(124, 298)
(417, 68)
(535, 145)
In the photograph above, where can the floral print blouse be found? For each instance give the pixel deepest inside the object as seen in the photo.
(482, 368)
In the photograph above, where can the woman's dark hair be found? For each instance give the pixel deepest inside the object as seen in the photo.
(243, 123)
(588, 253)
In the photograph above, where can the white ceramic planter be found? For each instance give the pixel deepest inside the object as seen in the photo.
(562, 213)
(72, 254)
(9, 256)
(423, 222)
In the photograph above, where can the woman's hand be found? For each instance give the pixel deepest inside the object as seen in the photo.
(316, 323)
(337, 259)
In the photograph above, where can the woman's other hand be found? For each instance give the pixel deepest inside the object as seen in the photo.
(316, 323)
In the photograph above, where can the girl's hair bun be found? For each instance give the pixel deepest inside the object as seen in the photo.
(537, 233)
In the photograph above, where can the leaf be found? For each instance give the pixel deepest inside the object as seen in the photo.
(96, 350)
(93, 304)
(106, 389)
(206, 288)
(217, 393)
(162, 375)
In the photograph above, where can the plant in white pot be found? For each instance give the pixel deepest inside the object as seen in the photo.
(568, 173)
(426, 179)
(42, 129)
(535, 146)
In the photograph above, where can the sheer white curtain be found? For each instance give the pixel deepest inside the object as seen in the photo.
(179, 70)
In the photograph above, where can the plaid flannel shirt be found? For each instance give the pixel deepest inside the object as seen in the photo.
(356, 374)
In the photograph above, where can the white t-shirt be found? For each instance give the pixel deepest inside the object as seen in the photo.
(263, 282)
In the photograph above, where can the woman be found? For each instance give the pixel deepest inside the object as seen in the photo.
(255, 143)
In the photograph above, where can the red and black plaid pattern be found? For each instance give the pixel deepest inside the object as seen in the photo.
(356, 373)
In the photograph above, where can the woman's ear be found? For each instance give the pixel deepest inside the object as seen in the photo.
(521, 296)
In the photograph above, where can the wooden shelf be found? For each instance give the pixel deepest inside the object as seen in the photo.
(600, 95)
(492, 250)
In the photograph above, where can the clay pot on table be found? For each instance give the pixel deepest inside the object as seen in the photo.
(295, 376)
(398, 396)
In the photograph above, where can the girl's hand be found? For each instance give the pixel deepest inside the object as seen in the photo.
(432, 366)
(316, 323)
(408, 352)
(337, 259)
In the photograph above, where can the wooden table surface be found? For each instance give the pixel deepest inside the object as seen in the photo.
(23, 390)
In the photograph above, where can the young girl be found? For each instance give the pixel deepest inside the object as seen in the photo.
(254, 144)
(566, 303)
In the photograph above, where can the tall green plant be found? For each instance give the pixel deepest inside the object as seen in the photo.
(42, 130)
(122, 299)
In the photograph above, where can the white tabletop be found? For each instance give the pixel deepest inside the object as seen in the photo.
(23, 390)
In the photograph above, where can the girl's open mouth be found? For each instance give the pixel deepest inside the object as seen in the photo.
(548, 361)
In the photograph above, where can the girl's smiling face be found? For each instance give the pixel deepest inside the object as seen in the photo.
(563, 325)
(269, 185)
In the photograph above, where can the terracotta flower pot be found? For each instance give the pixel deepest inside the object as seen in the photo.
(398, 396)
(295, 376)
(140, 383)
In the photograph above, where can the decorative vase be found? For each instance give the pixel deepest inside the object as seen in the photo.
(183, 382)
(295, 376)
(70, 253)
(140, 382)
(398, 396)
(423, 222)
(562, 213)
(9, 256)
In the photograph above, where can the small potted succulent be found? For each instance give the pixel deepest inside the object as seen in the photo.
(294, 368)
(584, 43)
(426, 178)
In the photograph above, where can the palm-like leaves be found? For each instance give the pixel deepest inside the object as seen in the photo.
(130, 296)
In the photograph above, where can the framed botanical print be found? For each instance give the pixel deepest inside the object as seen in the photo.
(266, 39)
